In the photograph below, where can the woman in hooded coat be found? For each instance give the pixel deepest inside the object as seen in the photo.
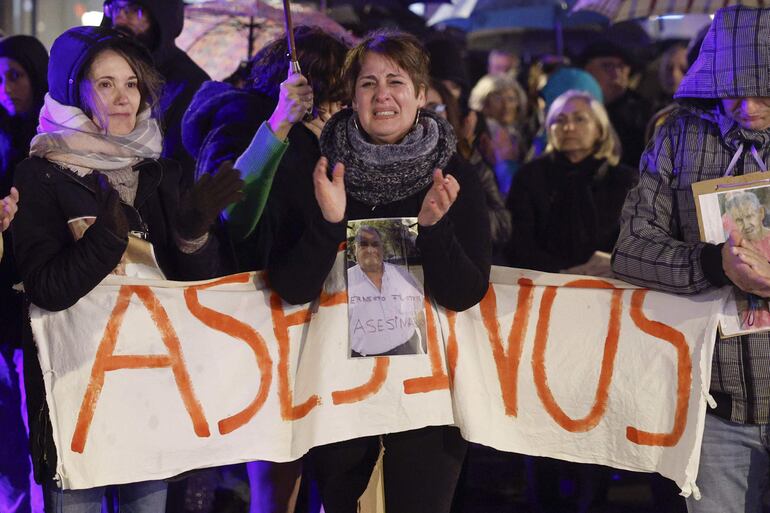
(94, 183)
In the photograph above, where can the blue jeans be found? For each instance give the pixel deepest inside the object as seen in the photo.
(144, 497)
(734, 466)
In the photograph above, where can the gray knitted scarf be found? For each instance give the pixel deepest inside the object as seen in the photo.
(376, 174)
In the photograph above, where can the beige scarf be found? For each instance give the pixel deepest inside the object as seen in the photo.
(68, 137)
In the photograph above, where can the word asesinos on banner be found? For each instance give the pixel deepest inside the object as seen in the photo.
(507, 360)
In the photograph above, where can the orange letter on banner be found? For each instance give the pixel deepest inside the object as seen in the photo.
(438, 379)
(683, 374)
(242, 331)
(451, 345)
(608, 360)
(507, 362)
(281, 324)
(379, 372)
(106, 361)
(368, 389)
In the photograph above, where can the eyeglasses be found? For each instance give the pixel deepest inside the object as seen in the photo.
(438, 108)
(575, 120)
(129, 10)
(369, 243)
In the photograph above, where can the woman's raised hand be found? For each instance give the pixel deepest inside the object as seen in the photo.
(294, 100)
(8, 208)
(330, 194)
(439, 199)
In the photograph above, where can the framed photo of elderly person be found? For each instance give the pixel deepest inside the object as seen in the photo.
(738, 205)
(385, 288)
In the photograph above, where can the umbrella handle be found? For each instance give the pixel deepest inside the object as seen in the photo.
(295, 69)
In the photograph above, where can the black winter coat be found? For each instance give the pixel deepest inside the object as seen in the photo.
(563, 212)
(456, 252)
(57, 270)
(15, 135)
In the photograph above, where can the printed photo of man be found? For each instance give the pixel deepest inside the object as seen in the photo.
(385, 302)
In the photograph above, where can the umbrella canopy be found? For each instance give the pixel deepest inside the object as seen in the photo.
(484, 16)
(476, 15)
(620, 10)
(219, 34)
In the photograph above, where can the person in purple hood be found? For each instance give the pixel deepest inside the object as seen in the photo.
(721, 127)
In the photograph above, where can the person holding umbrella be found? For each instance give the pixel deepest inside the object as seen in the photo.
(265, 130)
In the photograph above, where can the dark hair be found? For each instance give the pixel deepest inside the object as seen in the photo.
(321, 57)
(452, 107)
(402, 48)
(150, 82)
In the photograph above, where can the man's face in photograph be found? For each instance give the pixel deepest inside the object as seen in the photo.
(369, 251)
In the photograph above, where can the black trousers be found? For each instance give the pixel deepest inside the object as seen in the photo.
(421, 469)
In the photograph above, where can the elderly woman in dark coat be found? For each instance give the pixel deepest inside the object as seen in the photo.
(565, 207)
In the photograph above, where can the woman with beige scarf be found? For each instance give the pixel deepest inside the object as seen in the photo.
(95, 185)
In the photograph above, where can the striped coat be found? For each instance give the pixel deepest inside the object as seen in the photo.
(659, 244)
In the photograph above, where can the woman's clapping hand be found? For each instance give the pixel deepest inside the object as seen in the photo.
(439, 199)
(8, 208)
(330, 194)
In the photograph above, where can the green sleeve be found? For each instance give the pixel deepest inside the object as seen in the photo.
(258, 165)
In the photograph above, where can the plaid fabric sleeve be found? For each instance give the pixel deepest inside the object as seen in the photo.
(650, 250)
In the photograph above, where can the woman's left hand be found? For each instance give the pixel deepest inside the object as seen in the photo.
(8, 208)
(201, 205)
(439, 199)
(330, 194)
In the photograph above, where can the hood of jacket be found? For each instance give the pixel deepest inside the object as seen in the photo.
(734, 59)
(168, 19)
(218, 104)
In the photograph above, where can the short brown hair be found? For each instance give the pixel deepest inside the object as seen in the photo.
(403, 49)
(149, 81)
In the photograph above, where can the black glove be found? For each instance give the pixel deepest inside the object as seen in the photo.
(200, 206)
(109, 209)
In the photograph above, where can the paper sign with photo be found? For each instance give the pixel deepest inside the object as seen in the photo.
(138, 261)
(739, 204)
(385, 288)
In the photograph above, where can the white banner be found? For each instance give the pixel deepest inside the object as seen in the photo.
(147, 379)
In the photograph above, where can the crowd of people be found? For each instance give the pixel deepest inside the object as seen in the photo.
(563, 166)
